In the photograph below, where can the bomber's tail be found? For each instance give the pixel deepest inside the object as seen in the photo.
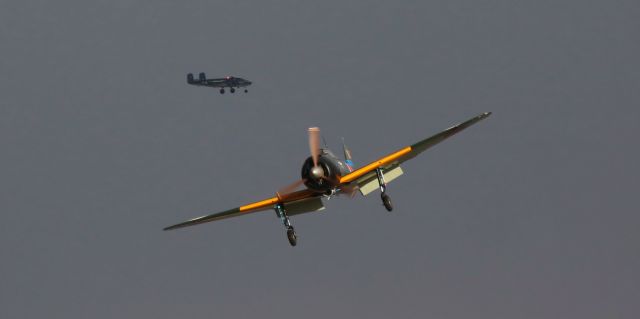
(190, 79)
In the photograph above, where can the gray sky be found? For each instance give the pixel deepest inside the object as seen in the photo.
(530, 214)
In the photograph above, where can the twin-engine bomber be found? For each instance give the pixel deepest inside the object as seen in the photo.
(230, 82)
(324, 175)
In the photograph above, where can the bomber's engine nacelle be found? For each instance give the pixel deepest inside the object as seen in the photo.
(322, 177)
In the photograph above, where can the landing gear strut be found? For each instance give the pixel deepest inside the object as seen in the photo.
(291, 233)
(386, 200)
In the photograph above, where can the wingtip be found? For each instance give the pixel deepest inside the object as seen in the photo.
(171, 227)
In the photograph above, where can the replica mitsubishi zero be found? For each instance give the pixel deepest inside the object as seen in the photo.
(230, 82)
(324, 175)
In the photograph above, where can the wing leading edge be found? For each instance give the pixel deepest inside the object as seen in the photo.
(246, 209)
(411, 151)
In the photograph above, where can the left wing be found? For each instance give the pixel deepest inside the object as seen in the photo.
(249, 208)
(409, 152)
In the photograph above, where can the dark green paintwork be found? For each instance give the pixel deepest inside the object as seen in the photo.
(427, 143)
(208, 218)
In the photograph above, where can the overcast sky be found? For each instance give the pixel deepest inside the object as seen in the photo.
(532, 213)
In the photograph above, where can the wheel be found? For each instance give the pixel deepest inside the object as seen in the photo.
(221, 91)
(232, 90)
(386, 201)
(291, 235)
(246, 91)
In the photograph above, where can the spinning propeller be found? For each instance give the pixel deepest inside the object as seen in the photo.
(314, 148)
(316, 172)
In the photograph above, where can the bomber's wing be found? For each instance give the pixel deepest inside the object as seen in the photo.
(216, 83)
(394, 159)
(249, 208)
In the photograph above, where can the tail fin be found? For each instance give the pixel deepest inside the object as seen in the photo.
(190, 78)
(347, 156)
(202, 77)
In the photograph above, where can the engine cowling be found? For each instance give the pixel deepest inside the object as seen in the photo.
(321, 178)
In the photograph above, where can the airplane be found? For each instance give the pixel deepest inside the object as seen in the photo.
(325, 175)
(228, 81)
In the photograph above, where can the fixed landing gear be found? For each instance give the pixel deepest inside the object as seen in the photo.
(386, 200)
(291, 233)
(232, 90)
(246, 91)
(221, 91)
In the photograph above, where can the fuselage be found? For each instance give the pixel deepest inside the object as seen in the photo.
(228, 81)
(231, 81)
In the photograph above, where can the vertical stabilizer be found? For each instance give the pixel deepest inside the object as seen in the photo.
(347, 156)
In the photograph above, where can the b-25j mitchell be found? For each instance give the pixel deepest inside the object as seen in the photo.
(230, 82)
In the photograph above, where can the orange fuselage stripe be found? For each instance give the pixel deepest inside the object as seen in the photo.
(381, 162)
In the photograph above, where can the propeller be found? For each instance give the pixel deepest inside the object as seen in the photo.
(314, 148)
(351, 190)
(282, 192)
(316, 172)
(314, 144)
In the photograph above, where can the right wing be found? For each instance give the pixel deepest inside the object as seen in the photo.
(249, 208)
(409, 152)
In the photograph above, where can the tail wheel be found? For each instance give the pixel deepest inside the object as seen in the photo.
(291, 235)
(386, 201)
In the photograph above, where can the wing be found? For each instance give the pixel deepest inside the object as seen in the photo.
(411, 151)
(216, 83)
(246, 209)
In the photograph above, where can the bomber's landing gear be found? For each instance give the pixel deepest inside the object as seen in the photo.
(232, 90)
(221, 91)
(386, 200)
(246, 91)
(291, 233)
